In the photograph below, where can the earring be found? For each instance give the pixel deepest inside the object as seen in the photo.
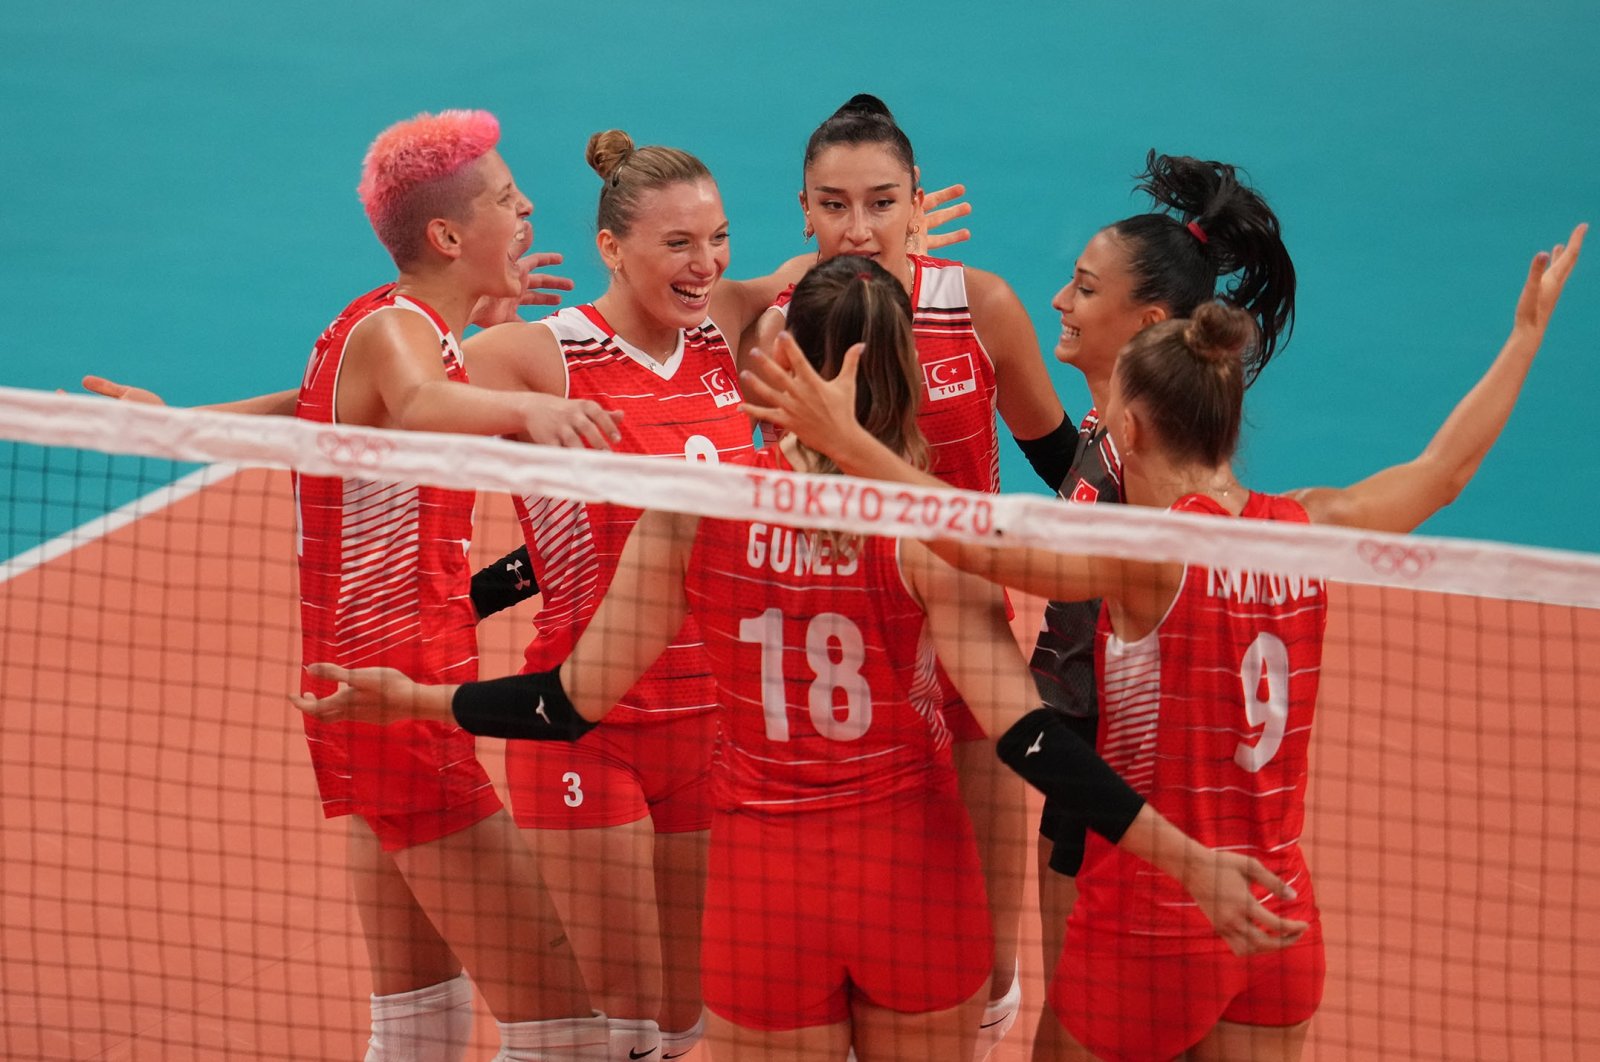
(809, 231)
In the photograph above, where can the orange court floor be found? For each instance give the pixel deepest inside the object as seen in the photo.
(171, 891)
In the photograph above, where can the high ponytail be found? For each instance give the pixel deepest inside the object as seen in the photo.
(1210, 224)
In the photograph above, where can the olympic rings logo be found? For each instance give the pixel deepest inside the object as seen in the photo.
(352, 451)
(1408, 562)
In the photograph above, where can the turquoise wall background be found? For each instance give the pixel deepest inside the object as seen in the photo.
(177, 180)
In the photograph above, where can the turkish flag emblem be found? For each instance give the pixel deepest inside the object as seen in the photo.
(1084, 492)
(719, 382)
(949, 377)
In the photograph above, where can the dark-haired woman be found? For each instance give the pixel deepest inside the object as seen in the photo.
(1207, 688)
(977, 354)
(846, 900)
(1134, 273)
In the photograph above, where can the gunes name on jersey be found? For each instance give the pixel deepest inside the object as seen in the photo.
(784, 550)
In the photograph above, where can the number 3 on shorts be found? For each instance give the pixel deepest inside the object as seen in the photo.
(1264, 676)
(574, 794)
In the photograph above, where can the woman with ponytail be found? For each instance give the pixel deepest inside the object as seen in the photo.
(845, 908)
(1208, 227)
(1142, 975)
(978, 355)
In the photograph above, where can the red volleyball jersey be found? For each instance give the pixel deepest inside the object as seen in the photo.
(824, 668)
(384, 575)
(1209, 717)
(686, 408)
(958, 398)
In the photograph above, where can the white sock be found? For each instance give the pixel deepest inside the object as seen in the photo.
(998, 1018)
(557, 1040)
(678, 1044)
(633, 1039)
(430, 1024)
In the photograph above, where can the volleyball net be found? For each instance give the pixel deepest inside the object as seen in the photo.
(171, 890)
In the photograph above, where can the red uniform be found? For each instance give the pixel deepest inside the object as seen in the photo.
(1209, 716)
(384, 581)
(842, 861)
(652, 754)
(958, 400)
(958, 405)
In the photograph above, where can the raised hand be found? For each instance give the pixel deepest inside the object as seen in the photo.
(1220, 883)
(538, 289)
(574, 422)
(1547, 276)
(122, 392)
(933, 214)
(783, 389)
(373, 695)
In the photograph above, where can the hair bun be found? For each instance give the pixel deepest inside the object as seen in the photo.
(607, 151)
(864, 103)
(1219, 333)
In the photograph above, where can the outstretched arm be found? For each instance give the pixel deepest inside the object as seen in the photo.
(1400, 498)
(784, 389)
(391, 377)
(278, 403)
(967, 621)
(642, 611)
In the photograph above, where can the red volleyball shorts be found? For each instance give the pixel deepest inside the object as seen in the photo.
(882, 902)
(412, 782)
(1126, 1004)
(617, 774)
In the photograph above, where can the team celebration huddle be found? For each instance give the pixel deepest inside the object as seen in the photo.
(768, 785)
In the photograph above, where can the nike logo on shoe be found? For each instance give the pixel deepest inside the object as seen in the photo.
(1038, 743)
(669, 1058)
(642, 1054)
(992, 1024)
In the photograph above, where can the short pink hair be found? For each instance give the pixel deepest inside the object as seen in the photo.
(407, 169)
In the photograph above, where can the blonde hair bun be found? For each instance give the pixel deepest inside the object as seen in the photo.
(607, 150)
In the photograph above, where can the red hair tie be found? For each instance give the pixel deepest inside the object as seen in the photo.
(1197, 232)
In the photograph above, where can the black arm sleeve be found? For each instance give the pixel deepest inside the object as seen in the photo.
(528, 707)
(504, 583)
(1064, 824)
(1051, 455)
(1043, 748)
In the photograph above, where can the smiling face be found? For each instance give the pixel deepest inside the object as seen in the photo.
(674, 252)
(494, 231)
(861, 200)
(1098, 312)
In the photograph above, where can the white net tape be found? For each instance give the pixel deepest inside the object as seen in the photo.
(1415, 562)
